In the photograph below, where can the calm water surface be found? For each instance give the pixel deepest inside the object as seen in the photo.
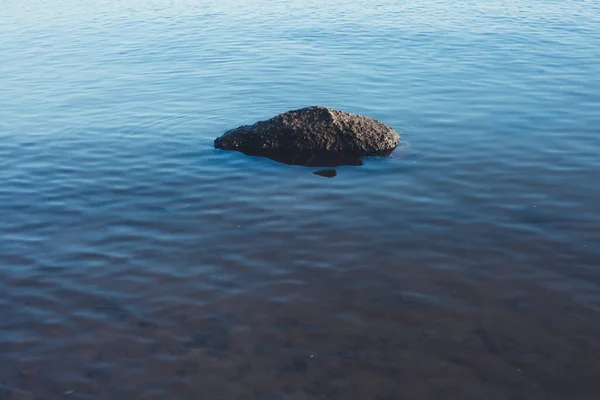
(137, 262)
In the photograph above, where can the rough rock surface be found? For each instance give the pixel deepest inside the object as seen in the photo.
(313, 136)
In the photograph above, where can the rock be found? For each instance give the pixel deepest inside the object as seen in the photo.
(313, 136)
(327, 173)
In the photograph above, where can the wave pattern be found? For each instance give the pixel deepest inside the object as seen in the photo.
(137, 262)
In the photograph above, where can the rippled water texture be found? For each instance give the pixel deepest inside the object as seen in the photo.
(138, 262)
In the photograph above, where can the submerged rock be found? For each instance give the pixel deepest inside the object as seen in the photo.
(313, 136)
(327, 173)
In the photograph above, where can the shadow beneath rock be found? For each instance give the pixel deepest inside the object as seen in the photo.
(312, 159)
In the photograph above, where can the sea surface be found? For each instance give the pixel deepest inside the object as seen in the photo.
(138, 262)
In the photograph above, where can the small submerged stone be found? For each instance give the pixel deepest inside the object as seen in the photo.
(313, 136)
(327, 173)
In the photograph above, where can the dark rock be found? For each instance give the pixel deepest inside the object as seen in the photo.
(327, 173)
(313, 136)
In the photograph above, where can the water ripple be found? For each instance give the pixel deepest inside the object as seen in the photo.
(136, 261)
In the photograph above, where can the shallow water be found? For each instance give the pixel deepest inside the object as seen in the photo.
(138, 262)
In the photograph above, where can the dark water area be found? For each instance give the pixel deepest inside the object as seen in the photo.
(138, 262)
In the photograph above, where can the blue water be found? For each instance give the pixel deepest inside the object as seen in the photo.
(136, 261)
